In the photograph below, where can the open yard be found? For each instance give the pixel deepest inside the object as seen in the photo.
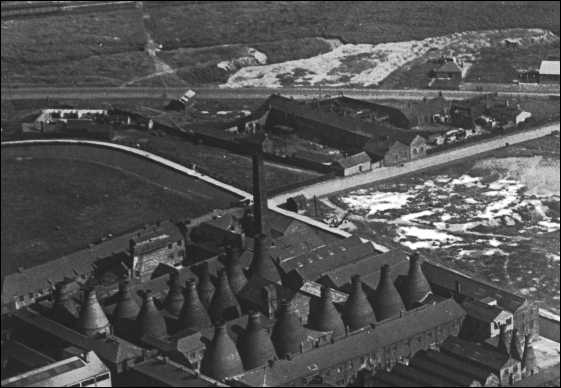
(52, 206)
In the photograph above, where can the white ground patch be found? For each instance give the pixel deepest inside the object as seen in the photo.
(376, 202)
(367, 65)
(547, 352)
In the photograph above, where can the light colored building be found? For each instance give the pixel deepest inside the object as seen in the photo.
(86, 370)
(549, 71)
(353, 164)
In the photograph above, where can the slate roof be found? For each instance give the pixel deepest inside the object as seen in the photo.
(314, 264)
(355, 345)
(446, 278)
(481, 355)
(171, 374)
(369, 267)
(110, 349)
(44, 276)
(481, 311)
(479, 373)
(353, 160)
(422, 362)
(420, 377)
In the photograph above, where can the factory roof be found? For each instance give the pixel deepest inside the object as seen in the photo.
(60, 373)
(171, 374)
(368, 267)
(44, 276)
(110, 348)
(359, 343)
(314, 264)
(422, 362)
(479, 354)
(479, 373)
(449, 279)
(482, 311)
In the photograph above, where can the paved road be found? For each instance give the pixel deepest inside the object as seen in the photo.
(29, 93)
(341, 184)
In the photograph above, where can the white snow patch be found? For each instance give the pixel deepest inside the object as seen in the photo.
(547, 352)
(377, 201)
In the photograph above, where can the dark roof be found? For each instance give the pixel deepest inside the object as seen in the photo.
(110, 349)
(171, 374)
(355, 345)
(449, 67)
(353, 160)
(422, 362)
(44, 276)
(479, 354)
(368, 268)
(332, 119)
(481, 311)
(420, 377)
(314, 264)
(477, 289)
(479, 373)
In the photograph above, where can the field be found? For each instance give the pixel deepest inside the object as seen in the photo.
(495, 216)
(53, 206)
(107, 48)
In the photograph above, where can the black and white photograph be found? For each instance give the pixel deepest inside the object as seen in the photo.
(280, 193)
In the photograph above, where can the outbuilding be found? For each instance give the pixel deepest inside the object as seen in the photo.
(353, 164)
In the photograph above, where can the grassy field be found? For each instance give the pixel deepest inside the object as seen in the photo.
(51, 207)
(107, 48)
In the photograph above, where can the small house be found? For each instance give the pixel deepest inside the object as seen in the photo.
(353, 164)
(484, 319)
(450, 70)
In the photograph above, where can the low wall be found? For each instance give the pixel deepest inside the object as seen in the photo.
(549, 325)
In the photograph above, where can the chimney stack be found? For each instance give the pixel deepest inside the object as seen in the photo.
(502, 346)
(174, 300)
(221, 359)
(357, 312)
(288, 332)
(224, 305)
(262, 264)
(259, 191)
(206, 288)
(387, 302)
(150, 321)
(255, 346)
(515, 346)
(93, 320)
(326, 317)
(234, 269)
(417, 287)
(529, 357)
(193, 314)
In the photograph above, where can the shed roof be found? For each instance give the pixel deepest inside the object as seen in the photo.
(172, 374)
(477, 353)
(482, 311)
(449, 67)
(353, 160)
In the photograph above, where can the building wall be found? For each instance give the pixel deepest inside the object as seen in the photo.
(398, 153)
(549, 79)
(527, 320)
(383, 358)
(418, 148)
(146, 263)
(356, 169)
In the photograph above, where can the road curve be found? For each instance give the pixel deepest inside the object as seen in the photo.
(181, 168)
(36, 93)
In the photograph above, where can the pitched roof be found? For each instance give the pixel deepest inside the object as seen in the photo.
(353, 160)
(355, 345)
(319, 261)
(548, 67)
(369, 267)
(481, 311)
(422, 362)
(172, 374)
(479, 373)
(479, 354)
(44, 276)
(110, 349)
(447, 278)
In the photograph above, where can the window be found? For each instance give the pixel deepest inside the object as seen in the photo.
(169, 246)
(180, 243)
(508, 321)
(88, 382)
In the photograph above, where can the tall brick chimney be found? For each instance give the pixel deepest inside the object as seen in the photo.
(259, 191)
